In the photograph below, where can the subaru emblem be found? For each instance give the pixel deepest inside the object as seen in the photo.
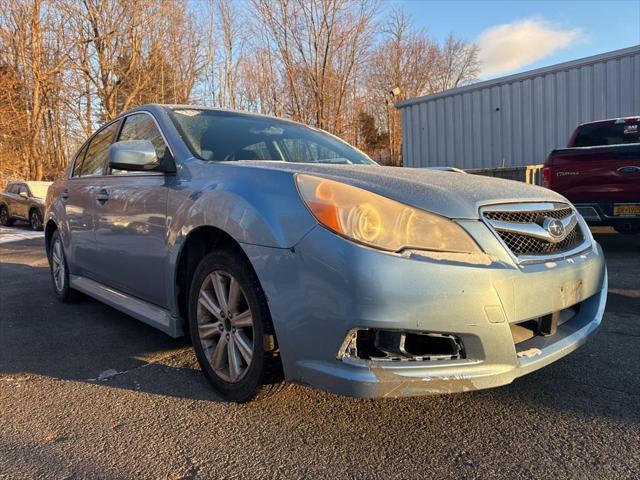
(555, 227)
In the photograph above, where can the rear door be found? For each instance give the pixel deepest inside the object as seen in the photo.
(131, 221)
(79, 198)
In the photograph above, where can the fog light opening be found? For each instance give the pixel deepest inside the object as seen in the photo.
(390, 345)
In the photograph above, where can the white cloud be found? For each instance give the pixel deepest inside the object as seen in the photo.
(510, 46)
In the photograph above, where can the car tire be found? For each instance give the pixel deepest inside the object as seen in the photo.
(236, 350)
(35, 220)
(5, 220)
(60, 271)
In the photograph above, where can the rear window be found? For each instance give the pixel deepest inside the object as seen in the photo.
(607, 134)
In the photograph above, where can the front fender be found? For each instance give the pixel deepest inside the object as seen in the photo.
(254, 206)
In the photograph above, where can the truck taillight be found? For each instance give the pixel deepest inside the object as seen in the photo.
(546, 176)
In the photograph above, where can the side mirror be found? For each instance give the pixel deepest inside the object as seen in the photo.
(24, 194)
(133, 155)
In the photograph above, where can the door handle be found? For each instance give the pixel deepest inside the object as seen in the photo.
(102, 196)
(65, 194)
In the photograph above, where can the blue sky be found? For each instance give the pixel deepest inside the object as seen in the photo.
(522, 35)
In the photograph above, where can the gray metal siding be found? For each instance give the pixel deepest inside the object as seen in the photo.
(538, 112)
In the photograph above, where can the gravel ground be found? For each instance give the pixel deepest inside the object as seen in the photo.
(87, 392)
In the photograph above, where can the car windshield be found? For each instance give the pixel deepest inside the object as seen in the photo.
(607, 134)
(227, 136)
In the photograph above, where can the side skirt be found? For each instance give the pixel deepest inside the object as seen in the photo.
(139, 309)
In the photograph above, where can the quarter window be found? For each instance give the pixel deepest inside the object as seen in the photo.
(96, 157)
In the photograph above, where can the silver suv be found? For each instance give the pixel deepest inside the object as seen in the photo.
(23, 201)
(285, 253)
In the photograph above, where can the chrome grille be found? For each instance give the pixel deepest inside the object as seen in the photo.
(528, 217)
(526, 229)
(523, 245)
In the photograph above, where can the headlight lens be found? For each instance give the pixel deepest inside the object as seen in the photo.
(378, 221)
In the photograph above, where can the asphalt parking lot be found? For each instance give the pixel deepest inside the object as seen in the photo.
(87, 392)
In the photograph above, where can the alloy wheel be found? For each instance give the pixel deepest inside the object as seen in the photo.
(225, 326)
(57, 265)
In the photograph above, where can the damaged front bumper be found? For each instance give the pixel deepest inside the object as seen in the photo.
(327, 288)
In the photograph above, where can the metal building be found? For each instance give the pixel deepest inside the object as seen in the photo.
(518, 119)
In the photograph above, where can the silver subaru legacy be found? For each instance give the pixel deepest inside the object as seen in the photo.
(288, 255)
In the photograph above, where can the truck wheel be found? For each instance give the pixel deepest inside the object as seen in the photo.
(60, 271)
(229, 324)
(5, 220)
(35, 220)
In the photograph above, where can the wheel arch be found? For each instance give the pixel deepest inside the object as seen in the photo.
(38, 210)
(50, 227)
(196, 245)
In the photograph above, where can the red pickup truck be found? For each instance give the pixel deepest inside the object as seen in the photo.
(599, 172)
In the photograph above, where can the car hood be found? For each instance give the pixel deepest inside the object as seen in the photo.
(451, 194)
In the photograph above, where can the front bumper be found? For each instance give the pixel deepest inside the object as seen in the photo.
(327, 286)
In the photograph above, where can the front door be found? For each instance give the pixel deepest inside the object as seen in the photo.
(22, 202)
(130, 222)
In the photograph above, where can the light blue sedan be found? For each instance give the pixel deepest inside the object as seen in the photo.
(287, 254)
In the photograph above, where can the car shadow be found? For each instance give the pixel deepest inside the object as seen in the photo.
(94, 343)
(87, 341)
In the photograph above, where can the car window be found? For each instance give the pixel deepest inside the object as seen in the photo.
(141, 126)
(607, 134)
(96, 157)
(257, 151)
(11, 188)
(77, 161)
(22, 188)
(306, 151)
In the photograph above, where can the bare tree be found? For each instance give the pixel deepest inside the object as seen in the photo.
(401, 66)
(35, 53)
(319, 45)
(67, 65)
(457, 64)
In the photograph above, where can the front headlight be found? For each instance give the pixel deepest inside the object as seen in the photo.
(378, 221)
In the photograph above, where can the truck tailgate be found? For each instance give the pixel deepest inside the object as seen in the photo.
(604, 173)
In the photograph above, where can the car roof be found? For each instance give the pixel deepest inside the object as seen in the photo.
(150, 107)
